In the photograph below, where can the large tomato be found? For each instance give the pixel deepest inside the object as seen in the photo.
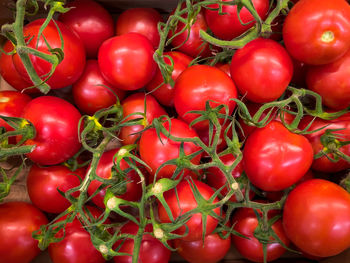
(126, 61)
(316, 218)
(56, 124)
(317, 31)
(181, 200)
(73, 63)
(275, 158)
(261, 70)
(17, 222)
(91, 21)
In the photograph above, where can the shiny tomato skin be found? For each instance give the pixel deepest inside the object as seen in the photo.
(73, 63)
(136, 103)
(198, 84)
(56, 124)
(316, 218)
(332, 82)
(270, 65)
(91, 21)
(126, 61)
(224, 67)
(308, 26)
(165, 93)
(186, 203)
(140, 20)
(275, 158)
(89, 94)
(228, 25)
(17, 222)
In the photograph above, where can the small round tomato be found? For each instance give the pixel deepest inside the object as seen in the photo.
(17, 222)
(317, 32)
(126, 61)
(181, 200)
(316, 218)
(270, 65)
(91, 21)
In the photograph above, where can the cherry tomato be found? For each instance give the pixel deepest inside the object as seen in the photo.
(316, 218)
(317, 32)
(91, 21)
(17, 222)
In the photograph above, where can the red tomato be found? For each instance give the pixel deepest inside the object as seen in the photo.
(224, 67)
(228, 26)
(316, 218)
(245, 223)
(317, 32)
(136, 103)
(198, 84)
(270, 65)
(181, 201)
(91, 21)
(299, 73)
(70, 68)
(140, 20)
(88, 92)
(17, 222)
(133, 190)
(43, 182)
(165, 93)
(56, 124)
(332, 82)
(127, 61)
(275, 158)
(155, 152)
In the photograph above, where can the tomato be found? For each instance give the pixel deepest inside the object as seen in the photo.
(154, 152)
(316, 218)
(88, 92)
(198, 84)
(275, 158)
(136, 103)
(245, 222)
(228, 26)
(317, 32)
(73, 63)
(332, 82)
(140, 20)
(126, 61)
(270, 65)
(151, 250)
(323, 164)
(17, 222)
(56, 124)
(43, 182)
(132, 191)
(181, 200)
(224, 67)
(165, 93)
(91, 21)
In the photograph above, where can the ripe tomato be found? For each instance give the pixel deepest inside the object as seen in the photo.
(317, 32)
(228, 26)
(316, 218)
(165, 93)
(275, 158)
(224, 67)
(198, 84)
(70, 68)
(332, 82)
(140, 20)
(17, 222)
(181, 200)
(56, 124)
(43, 182)
(126, 61)
(270, 65)
(88, 92)
(91, 21)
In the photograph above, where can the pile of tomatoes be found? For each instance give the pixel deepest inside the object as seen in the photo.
(225, 124)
